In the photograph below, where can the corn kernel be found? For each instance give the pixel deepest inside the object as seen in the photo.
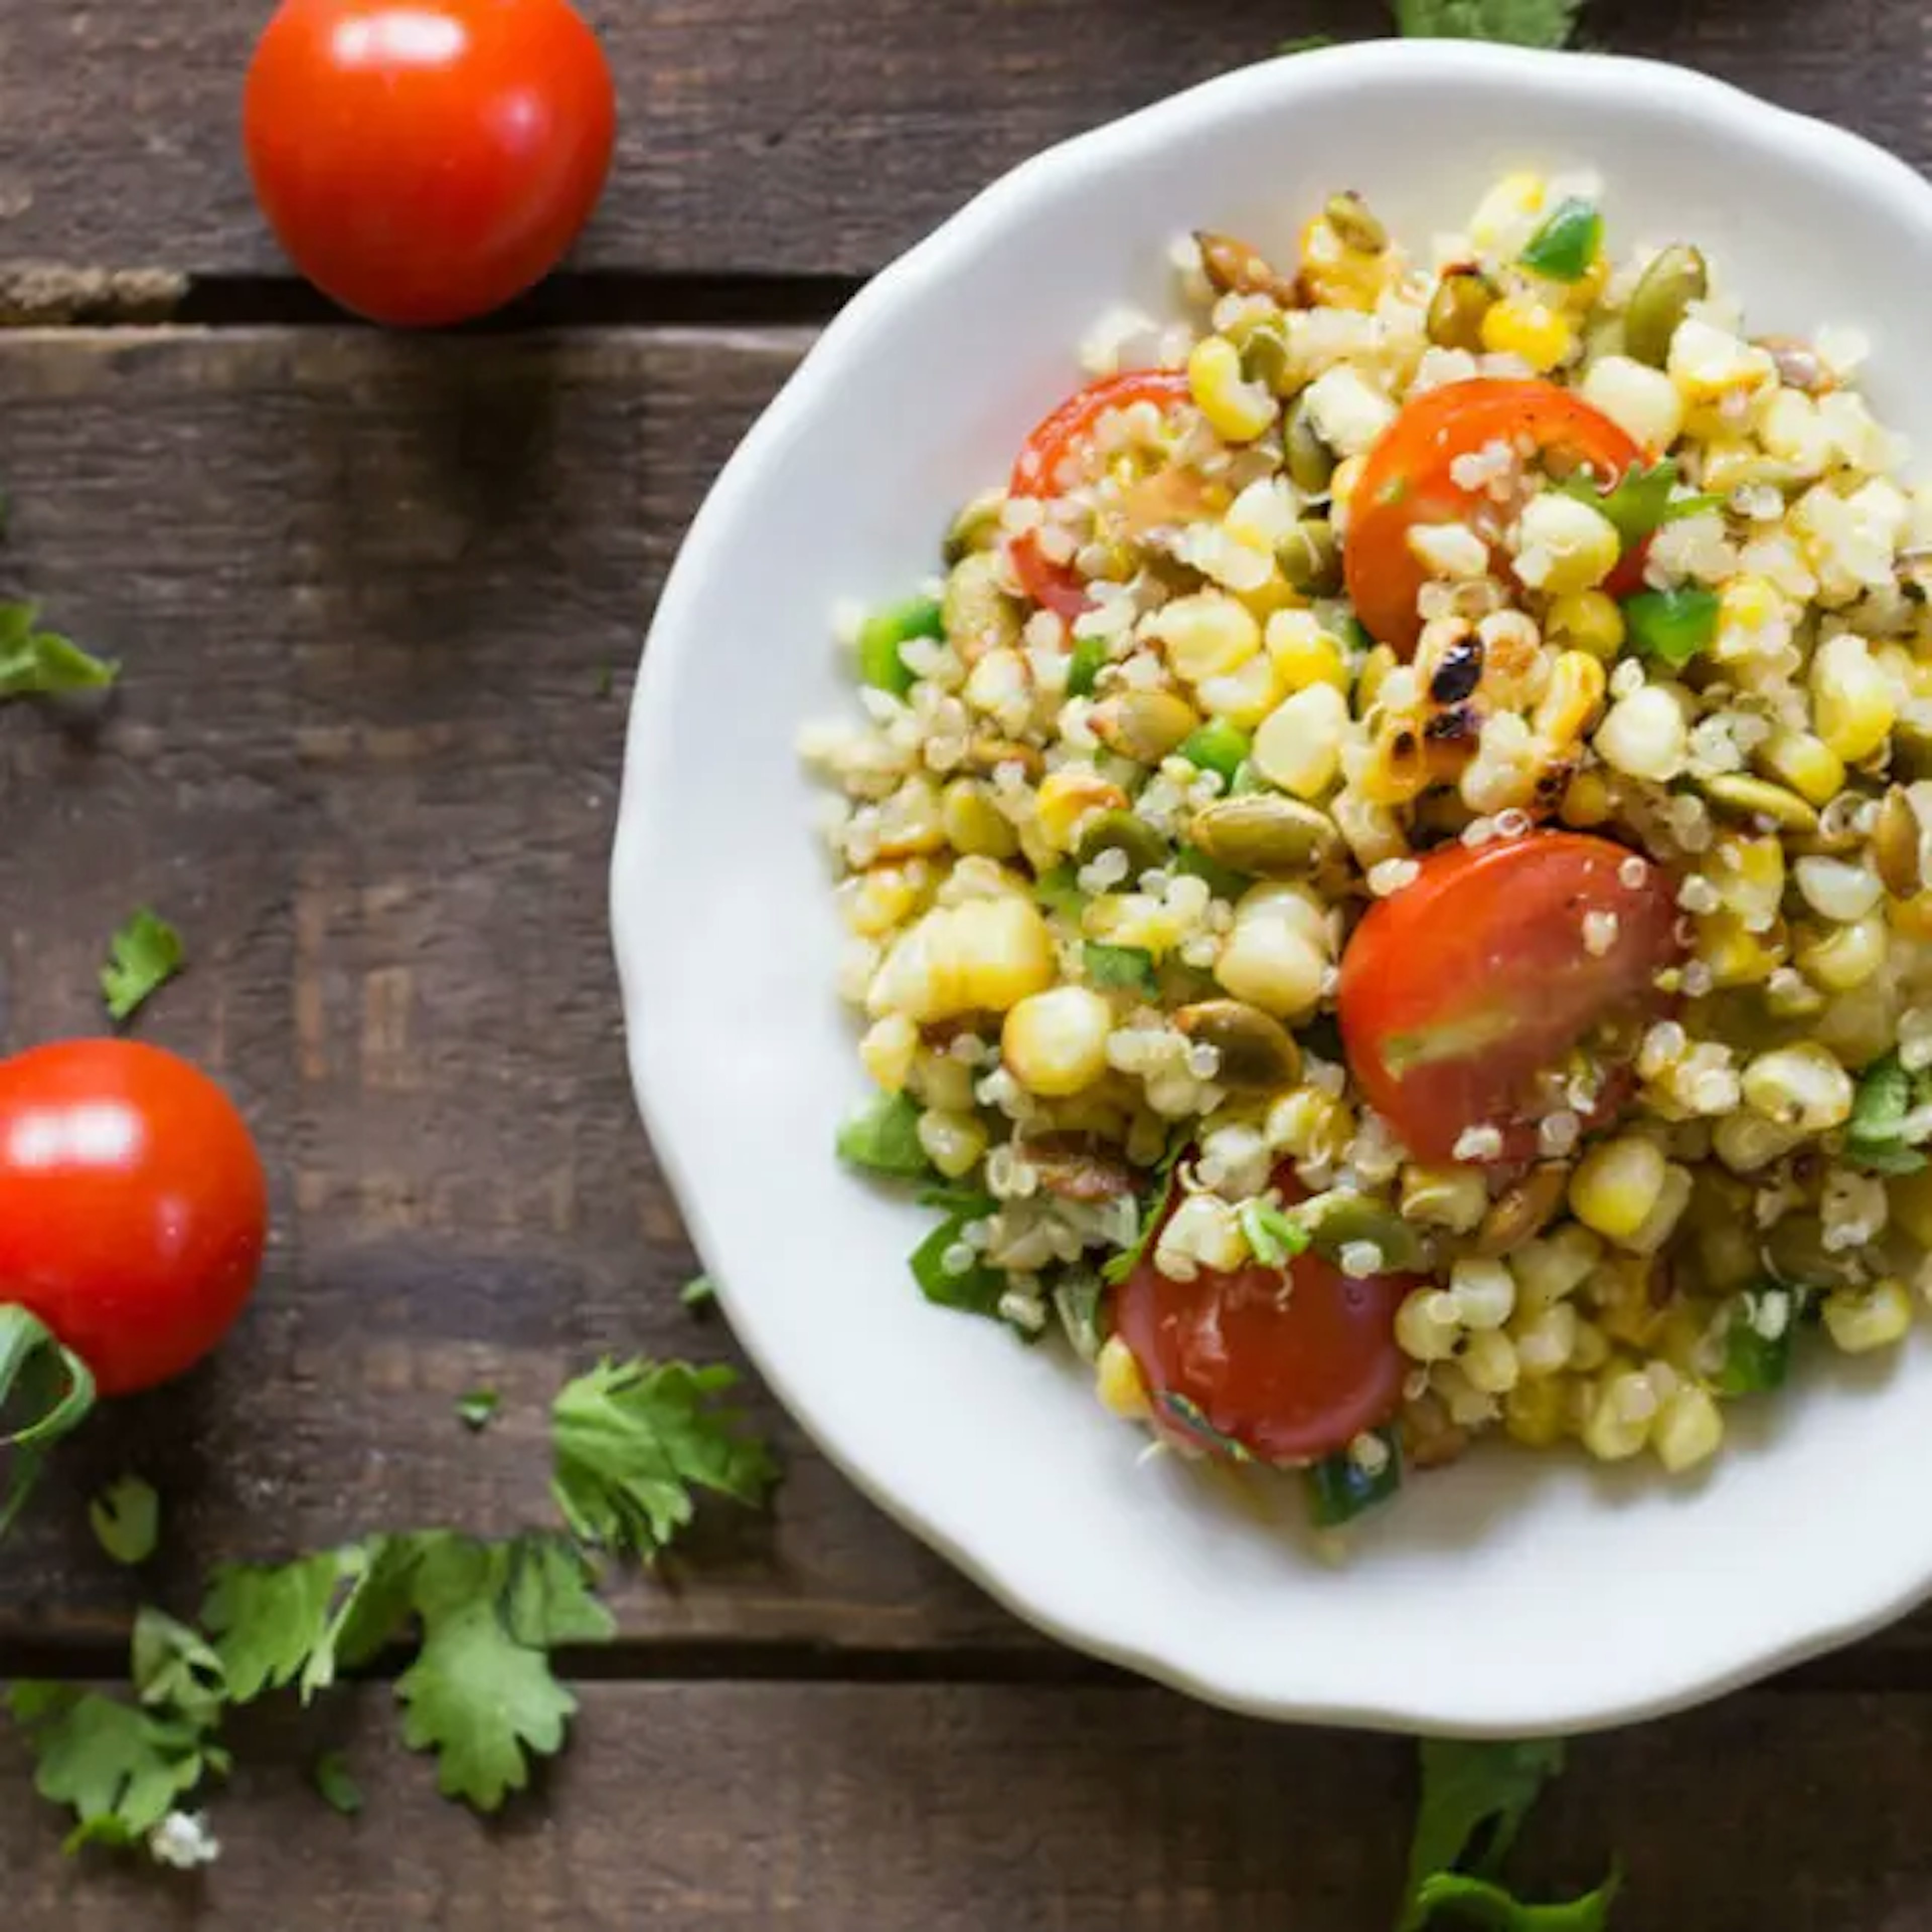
(1618, 1185)
(1644, 736)
(1536, 1414)
(1587, 620)
(1245, 697)
(1349, 414)
(1801, 1087)
(1055, 1043)
(1310, 1125)
(1735, 956)
(1504, 219)
(1576, 688)
(1426, 1325)
(1206, 635)
(1484, 1291)
(973, 824)
(1456, 1197)
(1708, 363)
(1545, 1342)
(955, 1143)
(1118, 1381)
(1065, 798)
(1745, 1142)
(1688, 1430)
(1660, 1223)
(1806, 764)
(1910, 1196)
(1848, 957)
(1543, 337)
(1852, 702)
(1621, 1417)
(1553, 1266)
(1586, 800)
(944, 1083)
(1298, 746)
(1641, 401)
(1490, 1363)
(1861, 1319)
(886, 1051)
(1265, 961)
(1237, 410)
(880, 899)
(986, 955)
(1304, 653)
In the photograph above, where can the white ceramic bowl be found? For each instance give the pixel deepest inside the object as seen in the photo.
(1514, 1593)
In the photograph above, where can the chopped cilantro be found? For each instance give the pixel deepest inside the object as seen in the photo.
(126, 1520)
(1754, 1360)
(1058, 890)
(974, 1290)
(698, 1293)
(1274, 1238)
(881, 635)
(1565, 246)
(338, 1787)
(1483, 1904)
(1340, 1488)
(1084, 665)
(1523, 23)
(1127, 968)
(1193, 1418)
(1120, 1266)
(477, 1409)
(884, 1139)
(1640, 504)
(144, 955)
(1674, 625)
(43, 664)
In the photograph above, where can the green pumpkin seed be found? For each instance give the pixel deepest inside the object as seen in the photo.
(1675, 278)
(1461, 299)
(1356, 224)
(1896, 846)
(1523, 1211)
(1795, 1251)
(1146, 850)
(1264, 359)
(1144, 725)
(1341, 1219)
(1311, 463)
(1266, 834)
(1741, 796)
(1258, 1053)
(976, 527)
(1310, 558)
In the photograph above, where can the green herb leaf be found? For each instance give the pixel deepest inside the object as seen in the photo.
(1223, 881)
(1120, 1266)
(551, 1598)
(1673, 626)
(1340, 1488)
(1887, 1160)
(635, 1441)
(1640, 504)
(1755, 1361)
(1058, 890)
(1128, 968)
(477, 1409)
(277, 1624)
(1480, 1903)
(1217, 746)
(699, 1292)
(338, 1788)
(882, 633)
(1085, 665)
(1469, 1789)
(1563, 248)
(975, 1291)
(1522, 23)
(1307, 43)
(884, 1139)
(1883, 1100)
(1080, 1300)
(174, 1668)
(126, 1520)
(144, 955)
(1274, 1238)
(43, 664)
(1193, 1419)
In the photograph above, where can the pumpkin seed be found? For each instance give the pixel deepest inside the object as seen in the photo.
(1897, 850)
(976, 527)
(1342, 1219)
(1258, 1053)
(1675, 279)
(1233, 268)
(1524, 1210)
(1745, 797)
(1144, 725)
(1266, 835)
(1310, 558)
(1461, 299)
(1795, 1251)
(1121, 831)
(1356, 224)
(1311, 463)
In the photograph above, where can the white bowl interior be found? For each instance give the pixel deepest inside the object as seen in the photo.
(1514, 1593)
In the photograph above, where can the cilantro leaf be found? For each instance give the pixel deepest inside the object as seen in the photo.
(550, 1600)
(1524, 23)
(884, 1139)
(1641, 503)
(1128, 967)
(338, 1785)
(1674, 625)
(144, 955)
(1465, 1787)
(633, 1440)
(977, 1289)
(1340, 1488)
(126, 1520)
(1274, 1237)
(1120, 1266)
(43, 664)
(277, 1624)
(479, 1699)
(174, 1668)
(1481, 1903)
(477, 1409)
(1193, 1418)
(699, 1292)
(1058, 890)
(1080, 1300)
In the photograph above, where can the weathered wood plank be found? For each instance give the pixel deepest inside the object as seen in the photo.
(785, 135)
(731, 1807)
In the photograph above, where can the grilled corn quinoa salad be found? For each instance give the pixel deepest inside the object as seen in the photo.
(1388, 883)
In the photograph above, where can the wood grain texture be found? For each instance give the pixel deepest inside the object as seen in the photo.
(741, 1808)
(782, 136)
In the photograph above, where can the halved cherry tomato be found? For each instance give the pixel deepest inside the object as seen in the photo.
(1405, 483)
(1287, 1376)
(1057, 586)
(1460, 990)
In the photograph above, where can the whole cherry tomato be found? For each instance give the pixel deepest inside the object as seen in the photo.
(1406, 482)
(1460, 990)
(1063, 437)
(423, 161)
(132, 1208)
(1289, 1365)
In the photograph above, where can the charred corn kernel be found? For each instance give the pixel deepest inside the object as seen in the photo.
(1849, 956)
(1427, 1328)
(1660, 1223)
(1586, 620)
(1483, 1291)
(1688, 1430)
(1745, 1142)
(1308, 1124)
(973, 824)
(1553, 1266)
(1298, 746)
(1266, 962)
(1118, 1381)
(1489, 1362)
(1586, 800)
(1304, 653)
(1735, 955)
(1861, 1319)
(1910, 1195)
(1536, 1413)
(1852, 702)
(985, 956)
(880, 899)
(1518, 325)
(1065, 800)
(1644, 736)
(1576, 688)
(956, 1144)
(1806, 764)
(1621, 1417)
(1237, 409)
(1206, 635)
(1456, 1198)
(1244, 697)
(1504, 217)
(1801, 1087)
(1618, 1185)
(886, 1051)
(1641, 401)
(1371, 675)
(1055, 1043)
(1708, 363)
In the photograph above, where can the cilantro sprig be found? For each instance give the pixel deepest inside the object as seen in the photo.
(1523, 23)
(37, 663)
(143, 956)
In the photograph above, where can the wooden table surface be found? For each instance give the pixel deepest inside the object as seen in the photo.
(379, 601)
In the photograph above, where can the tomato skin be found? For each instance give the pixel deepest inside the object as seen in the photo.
(133, 1211)
(1055, 587)
(1289, 1382)
(423, 161)
(1458, 990)
(1406, 481)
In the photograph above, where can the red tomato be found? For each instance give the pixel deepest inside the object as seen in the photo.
(422, 161)
(1289, 1378)
(132, 1208)
(1406, 482)
(1057, 586)
(1458, 991)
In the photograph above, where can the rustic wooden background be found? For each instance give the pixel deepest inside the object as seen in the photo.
(379, 601)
